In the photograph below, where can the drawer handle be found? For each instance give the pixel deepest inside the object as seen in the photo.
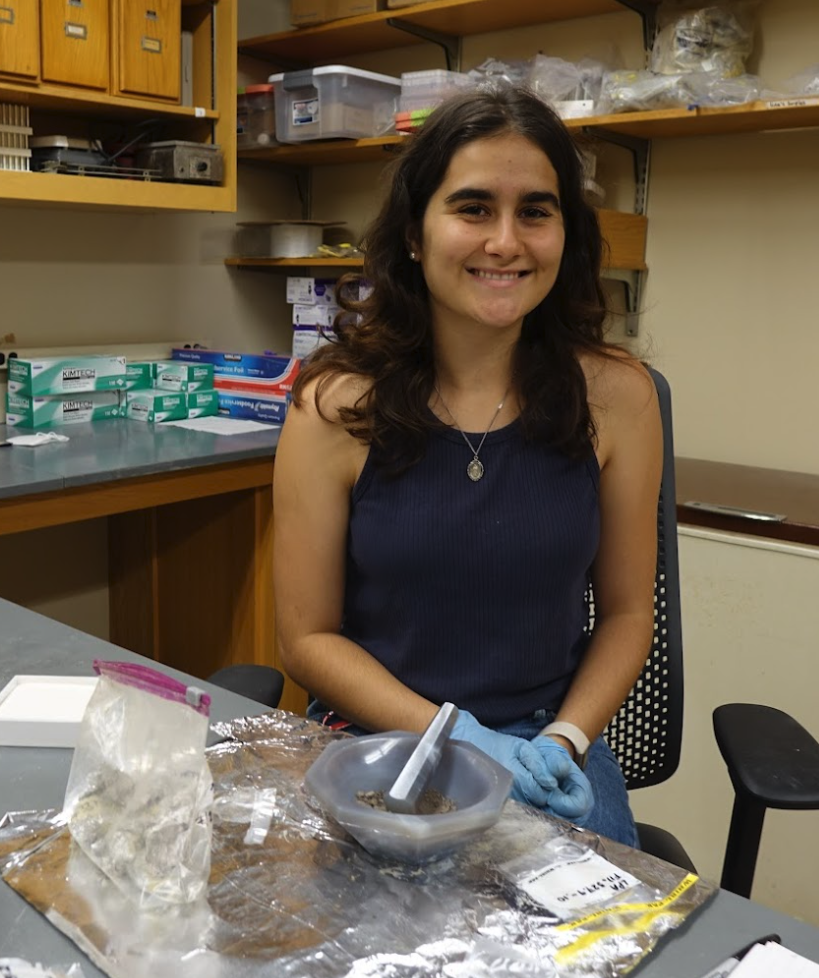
(6, 15)
(746, 514)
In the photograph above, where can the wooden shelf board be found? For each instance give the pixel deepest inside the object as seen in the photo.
(77, 191)
(271, 264)
(331, 42)
(374, 150)
(93, 103)
(625, 233)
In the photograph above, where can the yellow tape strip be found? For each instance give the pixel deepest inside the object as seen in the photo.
(648, 913)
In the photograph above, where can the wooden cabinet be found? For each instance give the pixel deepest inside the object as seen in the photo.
(19, 38)
(148, 36)
(75, 37)
(77, 109)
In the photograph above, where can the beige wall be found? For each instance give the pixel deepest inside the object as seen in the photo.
(729, 316)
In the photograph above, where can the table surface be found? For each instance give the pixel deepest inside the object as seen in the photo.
(107, 451)
(35, 779)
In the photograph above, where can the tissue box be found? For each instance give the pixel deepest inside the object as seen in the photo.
(138, 376)
(175, 375)
(155, 406)
(32, 412)
(65, 375)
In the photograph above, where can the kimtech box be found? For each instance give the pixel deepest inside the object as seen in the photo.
(280, 369)
(203, 404)
(155, 406)
(65, 375)
(139, 376)
(33, 412)
(181, 377)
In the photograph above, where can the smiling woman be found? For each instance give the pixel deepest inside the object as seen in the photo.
(467, 461)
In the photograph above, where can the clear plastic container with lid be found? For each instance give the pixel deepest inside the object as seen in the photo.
(261, 115)
(334, 101)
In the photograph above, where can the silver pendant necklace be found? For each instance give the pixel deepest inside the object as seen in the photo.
(475, 469)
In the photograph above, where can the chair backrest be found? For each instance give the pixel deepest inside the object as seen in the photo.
(646, 733)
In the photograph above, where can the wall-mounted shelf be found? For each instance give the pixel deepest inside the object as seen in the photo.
(625, 234)
(271, 264)
(332, 42)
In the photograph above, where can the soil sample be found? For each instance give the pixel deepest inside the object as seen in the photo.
(431, 802)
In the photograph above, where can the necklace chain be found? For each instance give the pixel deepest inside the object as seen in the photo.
(475, 469)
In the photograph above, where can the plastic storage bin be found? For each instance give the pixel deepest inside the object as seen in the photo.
(334, 102)
(261, 115)
(426, 89)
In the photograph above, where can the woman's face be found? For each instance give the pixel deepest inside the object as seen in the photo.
(492, 234)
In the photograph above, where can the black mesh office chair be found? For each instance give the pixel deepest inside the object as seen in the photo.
(773, 762)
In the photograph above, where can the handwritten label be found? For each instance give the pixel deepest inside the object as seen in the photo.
(568, 887)
(792, 103)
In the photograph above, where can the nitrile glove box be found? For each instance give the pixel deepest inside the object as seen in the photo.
(271, 409)
(314, 314)
(311, 291)
(32, 412)
(181, 377)
(155, 406)
(280, 369)
(65, 375)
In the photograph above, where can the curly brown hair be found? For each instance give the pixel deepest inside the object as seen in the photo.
(387, 335)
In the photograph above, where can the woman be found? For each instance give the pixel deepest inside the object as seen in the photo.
(457, 470)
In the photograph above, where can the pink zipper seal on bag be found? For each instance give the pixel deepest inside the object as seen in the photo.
(152, 681)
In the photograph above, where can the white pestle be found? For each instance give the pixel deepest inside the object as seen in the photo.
(422, 763)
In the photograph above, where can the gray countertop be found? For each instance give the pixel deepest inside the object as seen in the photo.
(35, 779)
(107, 451)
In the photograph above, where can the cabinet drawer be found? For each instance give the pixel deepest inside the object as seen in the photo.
(149, 39)
(19, 38)
(75, 42)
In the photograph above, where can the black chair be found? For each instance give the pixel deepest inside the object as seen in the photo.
(263, 684)
(773, 762)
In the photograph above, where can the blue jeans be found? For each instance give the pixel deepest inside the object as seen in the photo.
(611, 815)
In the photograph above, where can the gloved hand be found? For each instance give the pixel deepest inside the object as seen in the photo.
(534, 784)
(572, 797)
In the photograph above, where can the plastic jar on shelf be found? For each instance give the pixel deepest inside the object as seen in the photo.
(261, 115)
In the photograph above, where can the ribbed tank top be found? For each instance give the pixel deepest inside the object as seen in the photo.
(475, 592)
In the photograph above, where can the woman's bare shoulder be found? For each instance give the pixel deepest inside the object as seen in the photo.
(326, 396)
(617, 382)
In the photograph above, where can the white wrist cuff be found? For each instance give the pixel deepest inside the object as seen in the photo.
(574, 735)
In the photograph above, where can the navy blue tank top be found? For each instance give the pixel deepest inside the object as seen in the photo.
(475, 592)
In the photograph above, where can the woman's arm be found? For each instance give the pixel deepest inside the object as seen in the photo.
(630, 452)
(317, 464)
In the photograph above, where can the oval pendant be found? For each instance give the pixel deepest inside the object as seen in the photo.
(475, 469)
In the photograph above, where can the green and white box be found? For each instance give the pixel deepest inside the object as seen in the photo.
(65, 375)
(155, 406)
(139, 376)
(203, 404)
(32, 412)
(178, 375)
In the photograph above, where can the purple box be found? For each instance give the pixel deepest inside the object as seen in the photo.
(234, 404)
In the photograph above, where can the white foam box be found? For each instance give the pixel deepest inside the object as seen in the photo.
(43, 711)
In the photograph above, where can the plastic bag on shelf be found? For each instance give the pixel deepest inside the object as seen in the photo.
(694, 36)
(643, 90)
(711, 88)
(804, 82)
(493, 72)
(573, 88)
(140, 789)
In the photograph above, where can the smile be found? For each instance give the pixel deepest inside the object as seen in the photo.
(496, 276)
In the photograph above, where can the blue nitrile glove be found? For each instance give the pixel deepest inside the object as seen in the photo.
(533, 784)
(572, 796)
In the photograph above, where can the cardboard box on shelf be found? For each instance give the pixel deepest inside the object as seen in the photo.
(304, 12)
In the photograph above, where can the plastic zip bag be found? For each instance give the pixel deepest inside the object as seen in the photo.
(700, 36)
(140, 790)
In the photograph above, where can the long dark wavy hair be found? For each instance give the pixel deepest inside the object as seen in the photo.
(392, 344)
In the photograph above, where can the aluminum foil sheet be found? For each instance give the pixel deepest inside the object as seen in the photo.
(292, 894)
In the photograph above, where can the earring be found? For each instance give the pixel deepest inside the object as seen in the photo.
(413, 256)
